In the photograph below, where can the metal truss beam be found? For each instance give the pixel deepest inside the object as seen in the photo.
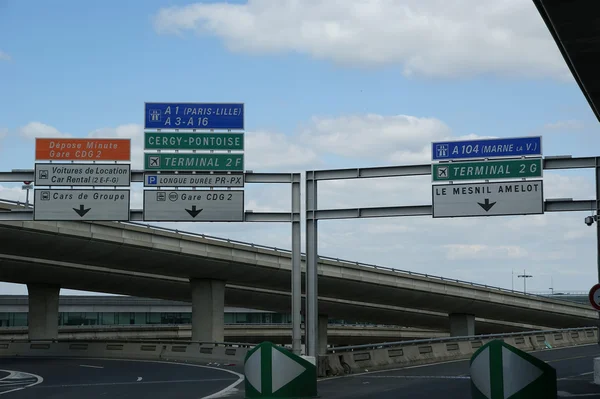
(550, 205)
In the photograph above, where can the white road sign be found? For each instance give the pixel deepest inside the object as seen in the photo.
(193, 180)
(82, 174)
(90, 205)
(194, 205)
(488, 199)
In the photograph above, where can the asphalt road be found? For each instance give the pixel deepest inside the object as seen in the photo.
(22, 378)
(77, 378)
(574, 369)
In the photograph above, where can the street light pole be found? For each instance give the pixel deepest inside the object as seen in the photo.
(524, 276)
(512, 280)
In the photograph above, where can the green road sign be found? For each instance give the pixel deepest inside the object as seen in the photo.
(274, 372)
(501, 371)
(195, 162)
(194, 141)
(487, 170)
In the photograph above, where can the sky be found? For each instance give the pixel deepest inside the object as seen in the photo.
(326, 84)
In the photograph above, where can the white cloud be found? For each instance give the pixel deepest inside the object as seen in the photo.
(397, 138)
(268, 151)
(38, 129)
(132, 131)
(564, 125)
(565, 185)
(482, 251)
(14, 193)
(436, 38)
(4, 56)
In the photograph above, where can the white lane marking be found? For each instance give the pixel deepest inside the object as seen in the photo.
(575, 376)
(11, 374)
(100, 384)
(12, 384)
(139, 379)
(438, 363)
(27, 376)
(90, 366)
(223, 392)
(563, 394)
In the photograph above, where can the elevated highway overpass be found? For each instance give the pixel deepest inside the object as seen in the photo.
(130, 259)
(337, 334)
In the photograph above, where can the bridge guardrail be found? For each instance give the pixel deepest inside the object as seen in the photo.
(454, 339)
(303, 256)
(228, 353)
(345, 360)
(136, 341)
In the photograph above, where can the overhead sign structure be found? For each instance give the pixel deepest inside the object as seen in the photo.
(274, 372)
(194, 205)
(82, 174)
(194, 141)
(195, 162)
(488, 199)
(594, 296)
(90, 205)
(193, 180)
(67, 149)
(501, 371)
(194, 116)
(486, 148)
(487, 170)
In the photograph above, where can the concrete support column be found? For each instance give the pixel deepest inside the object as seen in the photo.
(43, 311)
(323, 320)
(462, 325)
(208, 310)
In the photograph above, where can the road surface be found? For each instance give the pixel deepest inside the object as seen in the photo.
(24, 378)
(574, 369)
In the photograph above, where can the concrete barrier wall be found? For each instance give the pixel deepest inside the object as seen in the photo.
(187, 352)
(345, 362)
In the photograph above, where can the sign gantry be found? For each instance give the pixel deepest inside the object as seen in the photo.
(77, 167)
(181, 137)
(509, 197)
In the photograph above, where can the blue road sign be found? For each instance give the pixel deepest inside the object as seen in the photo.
(194, 116)
(151, 180)
(486, 148)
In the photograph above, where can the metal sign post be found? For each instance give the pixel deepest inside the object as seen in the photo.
(293, 217)
(313, 214)
(197, 130)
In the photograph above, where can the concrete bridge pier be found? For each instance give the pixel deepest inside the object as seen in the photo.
(322, 324)
(462, 324)
(208, 310)
(43, 311)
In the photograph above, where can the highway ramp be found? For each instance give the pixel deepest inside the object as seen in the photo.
(148, 262)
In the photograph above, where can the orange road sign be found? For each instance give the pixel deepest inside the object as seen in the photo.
(67, 149)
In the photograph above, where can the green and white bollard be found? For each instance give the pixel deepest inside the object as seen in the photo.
(274, 372)
(501, 371)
